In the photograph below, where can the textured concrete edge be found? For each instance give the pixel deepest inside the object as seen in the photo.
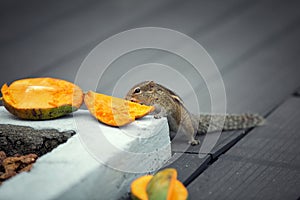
(71, 172)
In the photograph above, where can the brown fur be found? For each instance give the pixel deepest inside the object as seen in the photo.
(169, 104)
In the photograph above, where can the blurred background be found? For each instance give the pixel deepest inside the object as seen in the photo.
(250, 41)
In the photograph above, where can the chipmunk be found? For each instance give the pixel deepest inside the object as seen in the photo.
(168, 104)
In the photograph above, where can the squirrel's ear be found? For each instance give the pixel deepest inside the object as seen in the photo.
(152, 84)
(176, 98)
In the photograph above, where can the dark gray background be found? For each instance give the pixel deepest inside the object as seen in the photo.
(51, 38)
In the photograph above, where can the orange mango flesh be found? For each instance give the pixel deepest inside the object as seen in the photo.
(114, 111)
(44, 95)
(179, 192)
(139, 186)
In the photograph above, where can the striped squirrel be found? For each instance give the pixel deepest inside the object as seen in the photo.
(169, 104)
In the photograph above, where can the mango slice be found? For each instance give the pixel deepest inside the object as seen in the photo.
(162, 186)
(41, 98)
(114, 111)
(139, 186)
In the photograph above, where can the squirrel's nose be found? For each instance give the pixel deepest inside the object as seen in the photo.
(134, 100)
(128, 97)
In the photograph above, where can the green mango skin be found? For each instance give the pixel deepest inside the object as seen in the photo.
(158, 187)
(40, 114)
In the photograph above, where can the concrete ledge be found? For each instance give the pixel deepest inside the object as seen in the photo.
(80, 169)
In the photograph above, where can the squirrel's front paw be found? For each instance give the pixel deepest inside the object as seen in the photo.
(194, 142)
(157, 116)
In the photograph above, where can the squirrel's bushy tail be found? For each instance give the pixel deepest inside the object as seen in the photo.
(210, 123)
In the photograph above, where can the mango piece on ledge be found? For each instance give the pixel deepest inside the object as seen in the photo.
(41, 98)
(114, 111)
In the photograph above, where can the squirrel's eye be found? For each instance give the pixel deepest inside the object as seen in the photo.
(137, 90)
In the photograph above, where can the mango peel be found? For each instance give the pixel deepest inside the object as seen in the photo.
(162, 186)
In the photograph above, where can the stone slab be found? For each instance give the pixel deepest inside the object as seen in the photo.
(76, 169)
